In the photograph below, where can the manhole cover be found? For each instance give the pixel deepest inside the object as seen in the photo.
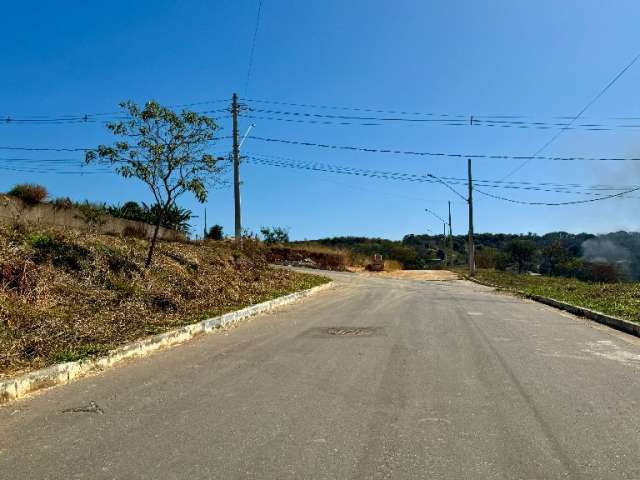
(351, 331)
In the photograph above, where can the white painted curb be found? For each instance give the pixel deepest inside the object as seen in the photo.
(63, 373)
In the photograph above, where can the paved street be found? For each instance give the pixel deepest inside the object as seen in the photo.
(374, 378)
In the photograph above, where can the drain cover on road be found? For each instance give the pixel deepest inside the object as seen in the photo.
(351, 331)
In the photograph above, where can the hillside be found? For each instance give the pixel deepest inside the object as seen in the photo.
(65, 295)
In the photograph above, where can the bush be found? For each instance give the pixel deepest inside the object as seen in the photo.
(589, 271)
(63, 203)
(274, 235)
(490, 257)
(215, 233)
(29, 193)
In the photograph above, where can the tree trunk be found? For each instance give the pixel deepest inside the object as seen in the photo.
(154, 239)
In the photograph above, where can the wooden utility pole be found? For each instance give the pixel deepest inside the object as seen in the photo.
(450, 238)
(471, 246)
(236, 170)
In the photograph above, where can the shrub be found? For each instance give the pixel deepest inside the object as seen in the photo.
(56, 249)
(490, 257)
(274, 235)
(62, 203)
(589, 271)
(215, 233)
(391, 265)
(29, 193)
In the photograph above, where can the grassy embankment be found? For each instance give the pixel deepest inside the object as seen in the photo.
(618, 299)
(67, 295)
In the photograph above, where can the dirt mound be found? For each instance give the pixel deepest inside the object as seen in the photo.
(304, 257)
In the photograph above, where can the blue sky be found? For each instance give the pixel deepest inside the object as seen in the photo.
(537, 59)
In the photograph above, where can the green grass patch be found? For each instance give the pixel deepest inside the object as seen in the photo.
(618, 299)
(78, 353)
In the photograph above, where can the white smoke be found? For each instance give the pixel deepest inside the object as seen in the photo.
(605, 251)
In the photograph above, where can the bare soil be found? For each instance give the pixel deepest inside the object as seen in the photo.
(429, 275)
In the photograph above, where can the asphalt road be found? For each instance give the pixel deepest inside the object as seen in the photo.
(421, 380)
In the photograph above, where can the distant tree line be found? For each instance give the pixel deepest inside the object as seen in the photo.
(604, 258)
(601, 258)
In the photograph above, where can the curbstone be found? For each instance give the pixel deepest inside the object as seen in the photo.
(614, 322)
(63, 373)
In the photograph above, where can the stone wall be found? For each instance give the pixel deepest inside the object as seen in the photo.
(15, 210)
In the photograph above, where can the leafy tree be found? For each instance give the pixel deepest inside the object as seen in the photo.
(215, 233)
(522, 252)
(490, 257)
(553, 256)
(165, 150)
(273, 235)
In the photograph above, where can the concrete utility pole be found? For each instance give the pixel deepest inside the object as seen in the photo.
(472, 248)
(450, 238)
(236, 170)
(444, 243)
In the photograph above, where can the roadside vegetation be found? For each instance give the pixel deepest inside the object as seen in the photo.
(621, 299)
(175, 218)
(66, 295)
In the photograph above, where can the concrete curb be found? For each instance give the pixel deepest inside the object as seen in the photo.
(613, 322)
(63, 373)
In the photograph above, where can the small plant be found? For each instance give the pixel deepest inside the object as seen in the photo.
(78, 353)
(92, 214)
(29, 193)
(123, 287)
(61, 253)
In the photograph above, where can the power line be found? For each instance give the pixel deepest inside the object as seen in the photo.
(437, 154)
(89, 117)
(555, 204)
(435, 215)
(86, 119)
(584, 109)
(450, 120)
(460, 116)
(444, 122)
(507, 182)
(400, 176)
(253, 48)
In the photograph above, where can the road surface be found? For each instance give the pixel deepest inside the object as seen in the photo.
(375, 378)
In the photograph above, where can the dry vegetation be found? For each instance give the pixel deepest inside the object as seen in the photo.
(324, 257)
(68, 295)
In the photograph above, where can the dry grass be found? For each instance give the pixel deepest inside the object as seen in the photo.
(325, 258)
(348, 258)
(392, 265)
(68, 295)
